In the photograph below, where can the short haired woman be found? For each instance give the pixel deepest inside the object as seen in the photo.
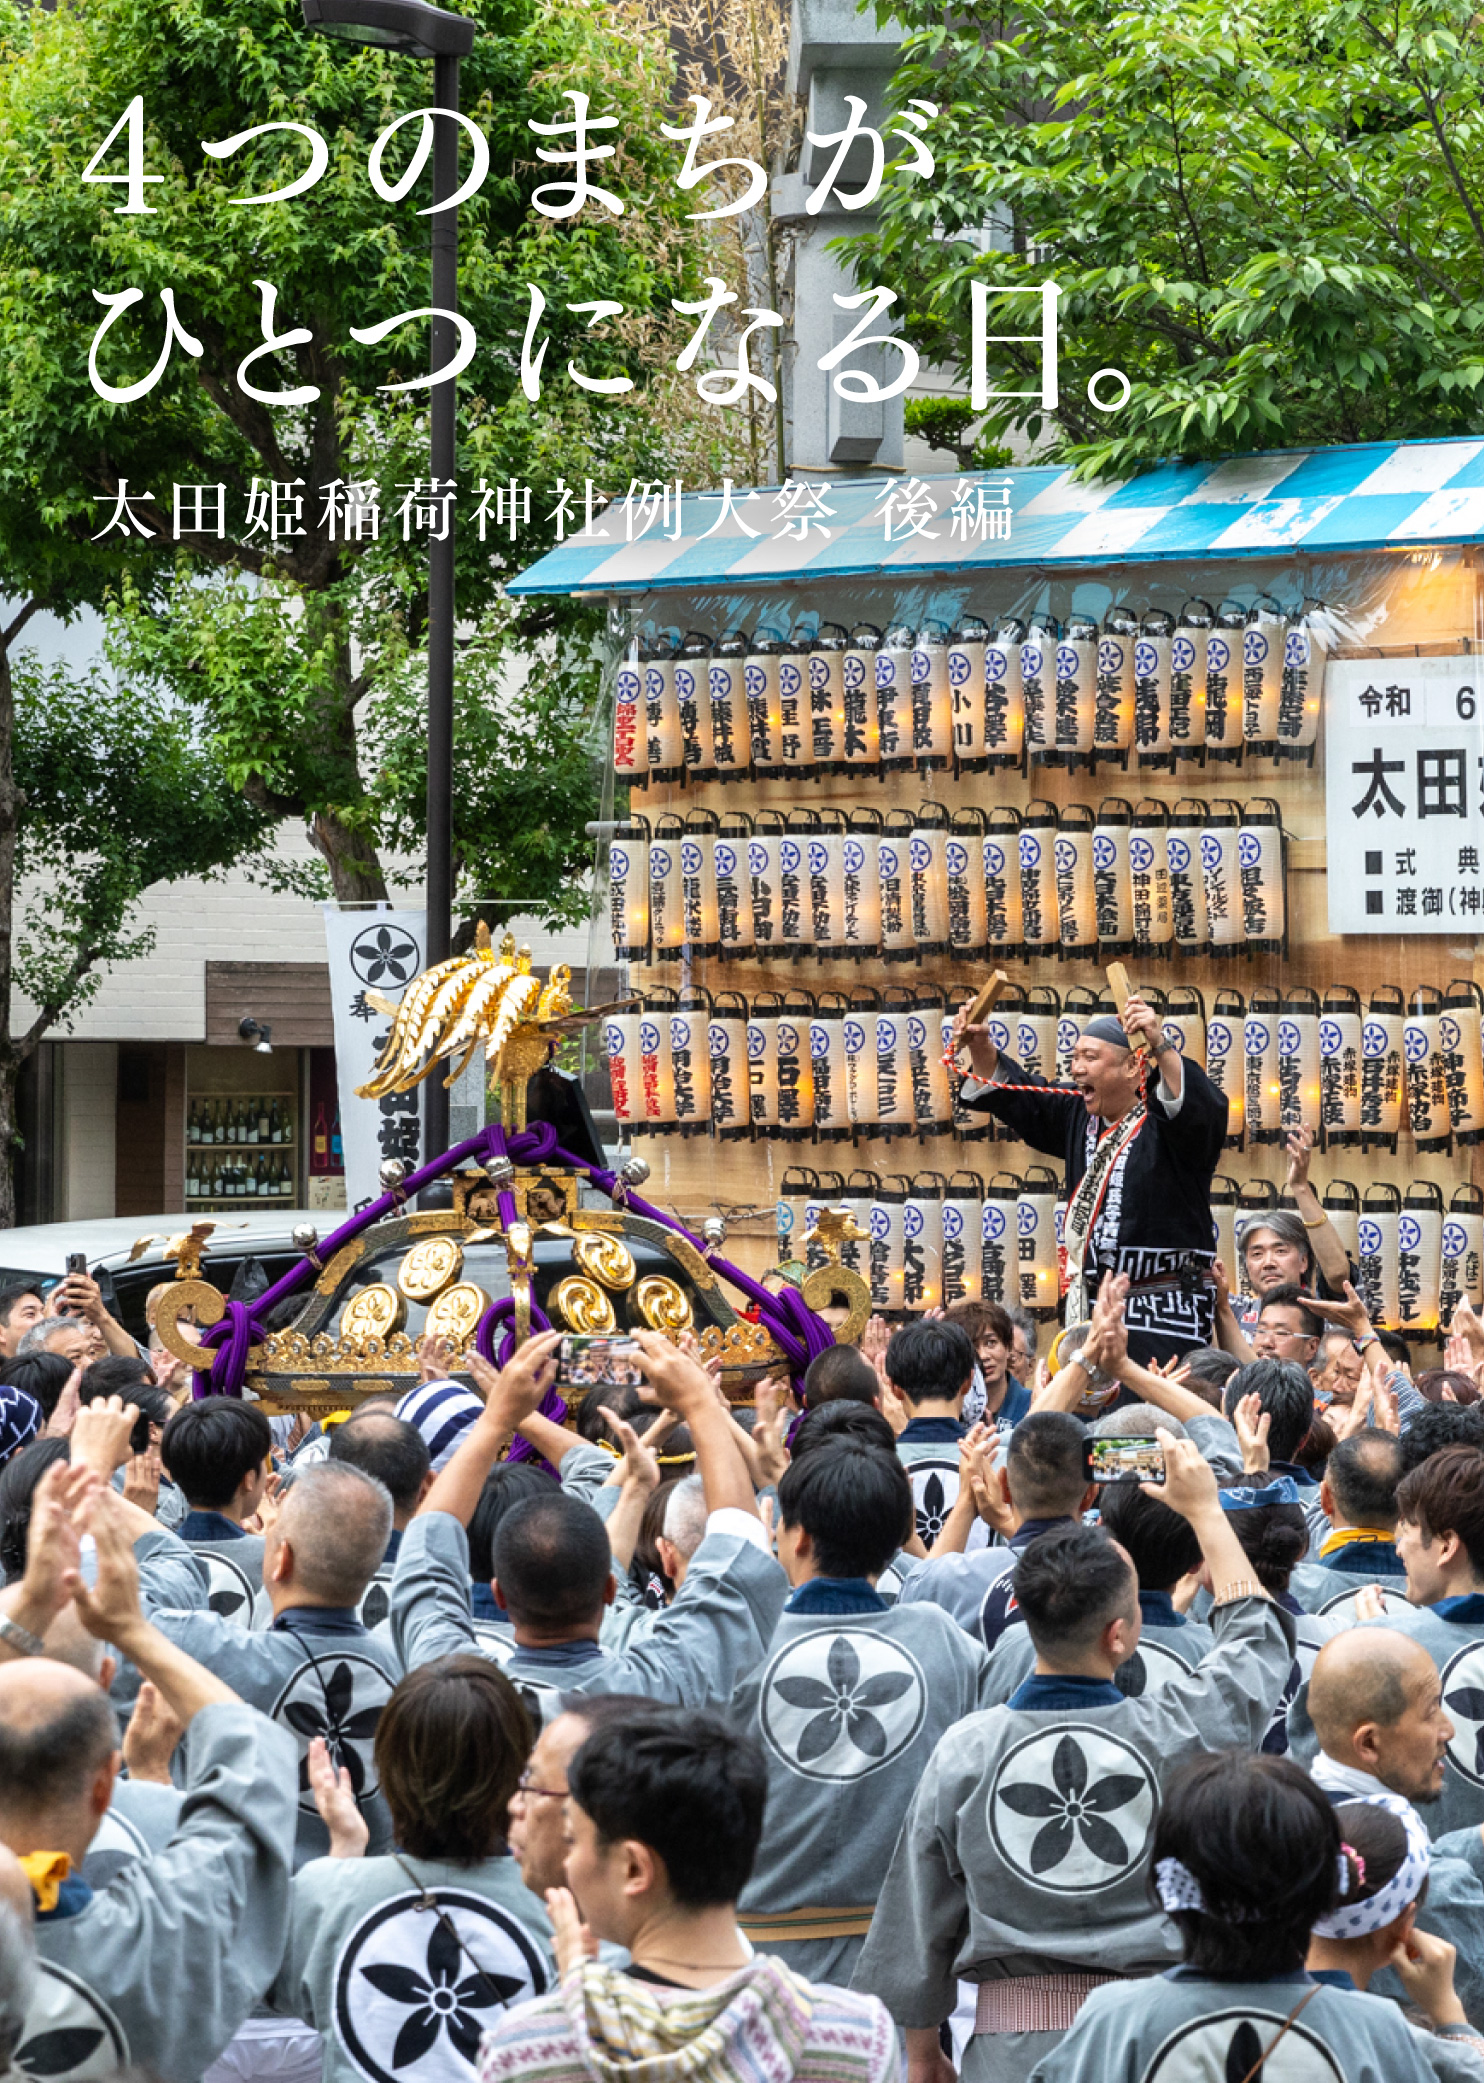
(401, 1962)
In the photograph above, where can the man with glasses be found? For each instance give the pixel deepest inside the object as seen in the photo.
(538, 1831)
(1286, 1328)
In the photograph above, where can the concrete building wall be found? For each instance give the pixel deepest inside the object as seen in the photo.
(85, 1169)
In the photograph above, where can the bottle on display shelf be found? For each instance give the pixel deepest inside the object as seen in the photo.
(321, 1143)
(337, 1144)
(1075, 697)
(1189, 656)
(1113, 693)
(193, 1123)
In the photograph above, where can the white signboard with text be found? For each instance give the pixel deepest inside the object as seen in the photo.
(1404, 794)
(381, 951)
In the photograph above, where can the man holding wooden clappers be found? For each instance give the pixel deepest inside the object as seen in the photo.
(1140, 1129)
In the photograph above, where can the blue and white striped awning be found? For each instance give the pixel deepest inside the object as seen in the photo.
(1373, 496)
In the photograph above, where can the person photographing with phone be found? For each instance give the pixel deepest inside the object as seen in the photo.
(1140, 1129)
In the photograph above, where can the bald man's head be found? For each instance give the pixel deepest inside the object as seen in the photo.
(336, 1520)
(57, 1731)
(1376, 1702)
(69, 1642)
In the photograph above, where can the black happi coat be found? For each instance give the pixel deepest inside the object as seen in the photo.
(1155, 1220)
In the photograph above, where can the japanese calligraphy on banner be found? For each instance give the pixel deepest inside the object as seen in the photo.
(380, 951)
(1404, 794)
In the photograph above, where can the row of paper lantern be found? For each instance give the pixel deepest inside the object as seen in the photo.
(1200, 878)
(1204, 684)
(934, 1238)
(861, 1064)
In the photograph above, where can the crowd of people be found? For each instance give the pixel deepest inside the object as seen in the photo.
(891, 1725)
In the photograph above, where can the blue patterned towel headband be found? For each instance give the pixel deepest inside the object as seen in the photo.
(1178, 1888)
(1282, 1490)
(1360, 1919)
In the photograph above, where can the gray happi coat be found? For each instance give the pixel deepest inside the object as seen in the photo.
(1169, 1646)
(1025, 1851)
(160, 1969)
(397, 1995)
(847, 1709)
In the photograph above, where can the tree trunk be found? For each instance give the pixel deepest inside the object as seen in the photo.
(10, 1070)
(355, 871)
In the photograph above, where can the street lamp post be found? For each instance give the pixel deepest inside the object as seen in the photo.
(420, 30)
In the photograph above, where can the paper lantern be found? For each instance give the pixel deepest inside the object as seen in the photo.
(1003, 928)
(927, 867)
(1112, 877)
(731, 1080)
(1038, 683)
(1002, 1027)
(690, 1062)
(967, 685)
(1427, 1085)
(1080, 1005)
(922, 1243)
(860, 855)
(664, 737)
(827, 696)
(1040, 917)
(1185, 1022)
(1305, 651)
(1004, 701)
(894, 697)
(1152, 688)
(999, 1247)
(1226, 1061)
(1224, 1222)
(1376, 1245)
(963, 868)
(1263, 860)
(861, 1189)
(763, 874)
(794, 922)
(1221, 874)
(1188, 658)
(832, 1122)
(932, 699)
(1224, 684)
(1260, 1047)
(1187, 881)
(887, 1244)
(621, 1051)
(764, 711)
(859, 1032)
(1462, 1271)
(1149, 873)
(1298, 1058)
(666, 899)
(893, 858)
(1339, 1066)
(1340, 1201)
(656, 1066)
(628, 890)
(1262, 675)
(824, 862)
(795, 738)
(932, 1099)
(762, 1059)
(733, 875)
(1035, 1031)
(1419, 1256)
(1040, 1283)
(1113, 717)
(963, 1215)
(731, 728)
(1076, 901)
(860, 733)
(1075, 700)
(1381, 1061)
(795, 1190)
(795, 1066)
(693, 697)
(698, 884)
(894, 1114)
(630, 742)
(1459, 1050)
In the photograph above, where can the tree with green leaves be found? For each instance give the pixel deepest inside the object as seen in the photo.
(1269, 216)
(299, 646)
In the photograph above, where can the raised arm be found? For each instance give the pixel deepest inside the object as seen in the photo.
(110, 1610)
(687, 1389)
(510, 1397)
(1329, 1253)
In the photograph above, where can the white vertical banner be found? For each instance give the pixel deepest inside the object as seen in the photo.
(378, 951)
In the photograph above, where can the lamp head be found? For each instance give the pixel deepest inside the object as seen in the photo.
(258, 1032)
(410, 26)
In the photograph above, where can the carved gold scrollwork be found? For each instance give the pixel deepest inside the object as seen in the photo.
(456, 1312)
(373, 1313)
(825, 1281)
(429, 1267)
(663, 1304)
(582, 1305)
(607, 1260)
(210, 1307)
